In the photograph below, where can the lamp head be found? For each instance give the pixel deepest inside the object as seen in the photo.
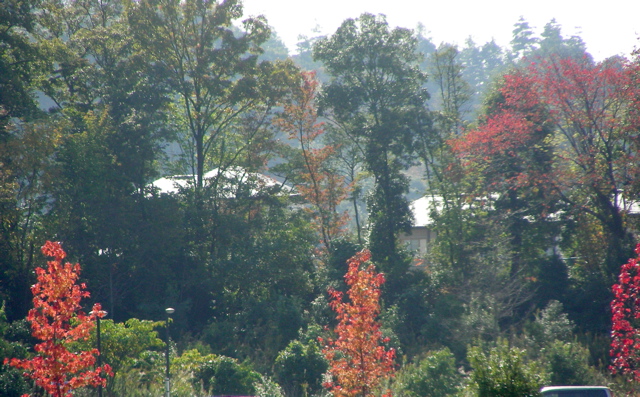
(99, 313)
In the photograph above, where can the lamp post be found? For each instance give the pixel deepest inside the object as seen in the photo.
(99, 315)
(167, 379)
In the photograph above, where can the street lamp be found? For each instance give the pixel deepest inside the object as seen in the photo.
(99, 315)
(167, 379)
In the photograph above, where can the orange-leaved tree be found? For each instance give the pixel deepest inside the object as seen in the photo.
(318, 183)
(57, 320)
(358, 358)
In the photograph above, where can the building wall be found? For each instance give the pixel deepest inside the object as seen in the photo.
(419, 239)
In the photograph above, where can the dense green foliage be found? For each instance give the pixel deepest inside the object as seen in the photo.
(299, 368)
(123, 345)
(100, 98)
(225, 375)
(12, 383)
(432, 375)
(503, 372)
(376, 95)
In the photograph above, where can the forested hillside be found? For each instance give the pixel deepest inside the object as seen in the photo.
(289, 165)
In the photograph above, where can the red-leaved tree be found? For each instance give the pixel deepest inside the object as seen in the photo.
(508, 156)
(57, 320)
(358, 359)
(508, 146)
(566, 134)
(595, 109)
(625, 318)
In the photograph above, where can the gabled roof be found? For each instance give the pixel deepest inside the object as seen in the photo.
(229, 180)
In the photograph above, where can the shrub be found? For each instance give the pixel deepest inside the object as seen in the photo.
(433, 375)
(299, 368)
(224, 375)
(503, 371)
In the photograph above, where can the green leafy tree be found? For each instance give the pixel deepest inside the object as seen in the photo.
(303, 56)
(523, 41)
(94, 65)
(226, 376)
(95, 218)
(274, 49)
(19, 61)
(482, 64)
(442, 177)
(503, 371)
(568, 365)
(26, 177)
(264, 278)
(122, 345)
(376, 96)
(107, 106)
(223, 90)
(348, 162)
(435, 374)
(550, 324)
(12, 383)
(550, 339)
(299, 368)
(552, 43)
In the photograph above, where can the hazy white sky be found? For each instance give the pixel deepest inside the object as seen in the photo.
(608, 27)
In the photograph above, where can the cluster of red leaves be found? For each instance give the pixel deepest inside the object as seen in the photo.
(595, 107)
(320, 186)
(358, 359)
(589, 109)
(57, 320)
(625, 316)
(506, 147)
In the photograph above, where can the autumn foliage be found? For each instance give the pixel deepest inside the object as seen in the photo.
(57, 320)
(589, 108)
(595, 109)
(625, 312)
(509, 147)
(320, 186)
(358, 359)
(564, 135)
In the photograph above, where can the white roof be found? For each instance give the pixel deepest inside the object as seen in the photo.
(422, 207)
(230, 179)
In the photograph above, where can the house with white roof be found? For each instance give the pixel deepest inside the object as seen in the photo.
(231, 182)
(422, 234)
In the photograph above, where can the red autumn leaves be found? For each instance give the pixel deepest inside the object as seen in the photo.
(573, 114)
(57, 320)
(625, 316)
(357, 357)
